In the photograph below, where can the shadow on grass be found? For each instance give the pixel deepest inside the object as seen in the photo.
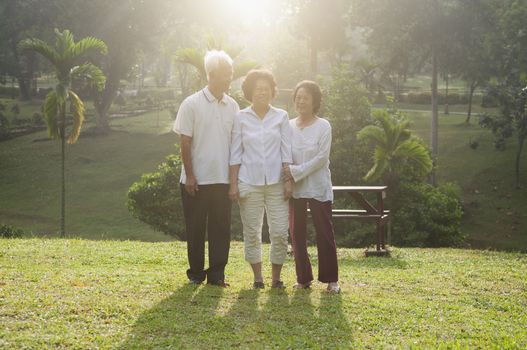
(185, 318)
(194, 318)
(392, 262)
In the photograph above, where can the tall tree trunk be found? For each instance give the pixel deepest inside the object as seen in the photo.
(434, 126)
(23, 76)
(103, 100)
(521, 139)
(473, 86)
(446, 94)
(63, 169)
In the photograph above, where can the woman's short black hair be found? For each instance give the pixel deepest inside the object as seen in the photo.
(313, 89)
(252, 77)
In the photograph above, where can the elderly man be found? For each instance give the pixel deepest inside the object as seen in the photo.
(204, 123)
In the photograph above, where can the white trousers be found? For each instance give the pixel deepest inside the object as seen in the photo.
(253, 201)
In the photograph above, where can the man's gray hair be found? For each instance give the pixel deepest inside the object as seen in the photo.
(214, 58)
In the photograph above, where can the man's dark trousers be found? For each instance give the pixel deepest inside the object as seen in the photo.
(208, 210)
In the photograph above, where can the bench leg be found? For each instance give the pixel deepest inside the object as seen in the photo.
(383, 236)
(379, 235)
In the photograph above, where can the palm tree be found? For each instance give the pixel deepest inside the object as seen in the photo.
(66, 56)
(194, 57)
(397, 152)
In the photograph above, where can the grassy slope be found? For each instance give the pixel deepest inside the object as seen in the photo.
(132, 295)
(495, 212)
(99, 172)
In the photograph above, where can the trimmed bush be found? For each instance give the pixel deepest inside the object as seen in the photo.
(489, 101)
(156, 199)
(8, 231)
(427, 216)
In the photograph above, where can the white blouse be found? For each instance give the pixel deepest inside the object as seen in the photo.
(260, 146)
(311, 147)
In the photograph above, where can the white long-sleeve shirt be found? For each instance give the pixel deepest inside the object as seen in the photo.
(261, 145)
(310, 169)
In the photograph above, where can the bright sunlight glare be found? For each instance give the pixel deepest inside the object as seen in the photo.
(249, 11)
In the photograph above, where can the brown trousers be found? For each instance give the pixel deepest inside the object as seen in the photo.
(325, 238)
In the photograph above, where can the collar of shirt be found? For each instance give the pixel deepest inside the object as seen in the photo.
(250, 111)
(211, 98)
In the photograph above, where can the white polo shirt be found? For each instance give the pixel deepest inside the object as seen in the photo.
(260, 146)
(310, 169)
(209, 122)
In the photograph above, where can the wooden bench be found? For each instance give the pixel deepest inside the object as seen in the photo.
(375, 213)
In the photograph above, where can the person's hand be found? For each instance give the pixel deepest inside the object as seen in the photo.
(191, 185)
(234, 192)
(287, 176)
(288, 190)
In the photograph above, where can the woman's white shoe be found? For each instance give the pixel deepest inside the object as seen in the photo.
(333, 288)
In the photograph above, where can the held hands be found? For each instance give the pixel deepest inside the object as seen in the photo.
(288, 190)
(234, 193)
(286, 174)
(191, 185)
(288, 180)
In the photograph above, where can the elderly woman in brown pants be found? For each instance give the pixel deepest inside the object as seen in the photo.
(310, 173)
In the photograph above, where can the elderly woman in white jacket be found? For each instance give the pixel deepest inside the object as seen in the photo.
(312, 187)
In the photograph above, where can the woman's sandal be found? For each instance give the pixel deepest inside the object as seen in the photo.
(302, 285)
(258, 285)
(278, 285)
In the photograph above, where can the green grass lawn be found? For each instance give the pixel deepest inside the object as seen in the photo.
(99, 171)
(83, 294)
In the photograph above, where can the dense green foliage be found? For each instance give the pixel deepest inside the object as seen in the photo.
(156, 198)
(426, 216)
(511, 121)
(347, 107)
(9, 231)
(398, 154)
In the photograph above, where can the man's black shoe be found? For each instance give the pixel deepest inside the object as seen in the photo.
(220, 283)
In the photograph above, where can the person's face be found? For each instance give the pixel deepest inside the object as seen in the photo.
(221, 77)
(303, 102)
(262, 93)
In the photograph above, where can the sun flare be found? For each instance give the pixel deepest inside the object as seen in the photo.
(248, 11)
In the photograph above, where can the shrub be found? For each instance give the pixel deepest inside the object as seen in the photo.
(156, 199)
(429, 216)
(425, 98)
(4, 122)
(158, 94)
(37, 119)
(489, 101)
(346, 105)
(15, 108)
(8, 231)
